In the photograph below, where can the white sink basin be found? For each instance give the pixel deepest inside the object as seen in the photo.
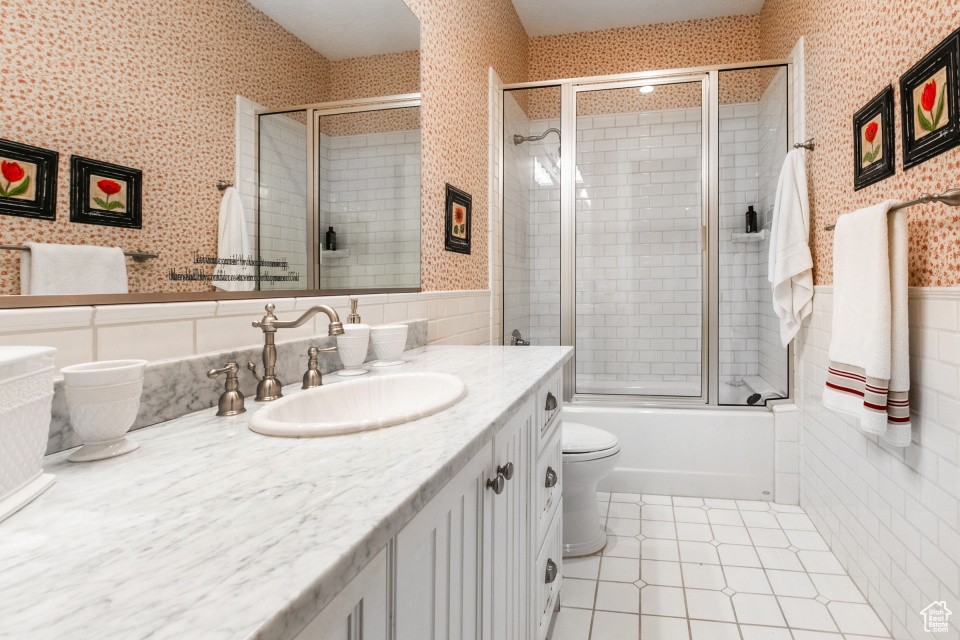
(359, 405)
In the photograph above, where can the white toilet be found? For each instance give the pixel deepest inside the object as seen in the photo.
(589, 455)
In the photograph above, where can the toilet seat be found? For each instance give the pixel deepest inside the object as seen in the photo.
(582, 442)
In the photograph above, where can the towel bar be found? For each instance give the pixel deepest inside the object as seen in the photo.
(806, 144)
(223, 185)
(138, 256)
(951, 198)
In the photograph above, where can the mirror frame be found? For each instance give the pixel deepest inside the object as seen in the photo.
(314, 110)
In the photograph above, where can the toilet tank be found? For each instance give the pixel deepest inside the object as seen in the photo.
(26, 395)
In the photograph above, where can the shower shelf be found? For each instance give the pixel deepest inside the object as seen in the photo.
(750, 237)
(339, 253)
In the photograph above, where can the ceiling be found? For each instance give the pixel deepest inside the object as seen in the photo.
(551, 17)
(341, 29)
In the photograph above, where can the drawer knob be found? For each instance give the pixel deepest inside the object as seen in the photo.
(551, 480)
(551, 571)
(497, 484)
(506, 471)
(551, 402)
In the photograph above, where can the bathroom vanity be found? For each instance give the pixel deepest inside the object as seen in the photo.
(445, 527)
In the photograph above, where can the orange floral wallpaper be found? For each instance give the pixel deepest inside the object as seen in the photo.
(459, 41)
(158, 94)
(853, 50)
(673, 45)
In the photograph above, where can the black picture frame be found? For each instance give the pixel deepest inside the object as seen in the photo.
(87, 200)
(15, 198)
(878, 161)
(457, 232)
(919, 143)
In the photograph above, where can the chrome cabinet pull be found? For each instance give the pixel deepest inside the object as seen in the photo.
(551, 402)
(497, 484)
(551, 480)
(551, 571)
(506, 471)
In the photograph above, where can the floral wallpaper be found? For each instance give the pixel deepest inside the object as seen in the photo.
(158, 95)
(459, 41)
(854, 50)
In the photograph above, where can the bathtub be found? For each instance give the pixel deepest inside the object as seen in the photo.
(709, 453)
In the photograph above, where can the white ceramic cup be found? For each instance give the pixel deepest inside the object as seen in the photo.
(388, 343)
(352, 349)
(103, 398)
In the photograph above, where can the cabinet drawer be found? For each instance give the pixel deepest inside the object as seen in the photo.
(548, 592)
(549, 394)
(549, 472)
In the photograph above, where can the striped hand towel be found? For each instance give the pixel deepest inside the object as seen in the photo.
(869, 370)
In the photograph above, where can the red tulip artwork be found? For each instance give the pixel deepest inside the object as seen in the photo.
(110, 188)
(13, 173)
(870, 135)
(931, 105)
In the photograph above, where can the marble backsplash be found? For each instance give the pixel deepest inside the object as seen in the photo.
(173, 388)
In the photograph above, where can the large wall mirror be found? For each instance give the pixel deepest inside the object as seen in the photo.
(309, 108)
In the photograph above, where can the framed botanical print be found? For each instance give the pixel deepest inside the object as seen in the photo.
(930, 103)
(873, 145)
(457, 230)
(28, 181)
(105, 194)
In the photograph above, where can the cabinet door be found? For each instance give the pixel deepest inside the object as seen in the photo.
(360, 610)
(438, 561)
(507, 538)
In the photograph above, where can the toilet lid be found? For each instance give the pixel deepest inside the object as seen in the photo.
(581, 438)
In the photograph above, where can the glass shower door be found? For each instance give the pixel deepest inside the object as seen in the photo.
(639, 214)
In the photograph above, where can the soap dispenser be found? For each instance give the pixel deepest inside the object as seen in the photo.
(751, 216)
(354, 317)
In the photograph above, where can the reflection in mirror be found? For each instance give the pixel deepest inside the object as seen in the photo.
(182, 76)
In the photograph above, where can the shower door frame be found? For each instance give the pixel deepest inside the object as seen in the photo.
(314, 112)
(709, 76)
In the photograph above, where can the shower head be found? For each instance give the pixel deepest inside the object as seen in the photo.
(518, 139)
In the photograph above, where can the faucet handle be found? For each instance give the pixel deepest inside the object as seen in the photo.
(253, 369)
(231, 369)
(266, 323)
(231, 400)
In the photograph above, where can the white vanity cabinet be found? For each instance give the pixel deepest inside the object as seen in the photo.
(480, 561)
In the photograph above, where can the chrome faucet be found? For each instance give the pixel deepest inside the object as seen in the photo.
(268, 387)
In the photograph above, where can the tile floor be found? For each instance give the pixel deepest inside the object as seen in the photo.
(701, 569)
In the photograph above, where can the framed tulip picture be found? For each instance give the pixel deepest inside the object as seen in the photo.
(105, 194)
(457, 230)
(873, 144)
(930, 103)
(28, 181)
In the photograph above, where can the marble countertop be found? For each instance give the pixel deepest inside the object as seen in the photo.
(212, 531)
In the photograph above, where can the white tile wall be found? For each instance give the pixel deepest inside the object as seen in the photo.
(283, 199)
(517, 174)
(172, 330)
(638, 268)
(890, 514)
(370, 195)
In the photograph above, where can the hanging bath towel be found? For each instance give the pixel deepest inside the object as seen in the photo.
(72, 269)
(869, 369)
(790, 265)
(233, 246)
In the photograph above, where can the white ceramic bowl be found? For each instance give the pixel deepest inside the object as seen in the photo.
(388, 343)
(101, 374)
(352, 350)
(103, 398)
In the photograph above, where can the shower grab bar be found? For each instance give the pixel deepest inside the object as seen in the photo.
(950, 198)
(138, 256)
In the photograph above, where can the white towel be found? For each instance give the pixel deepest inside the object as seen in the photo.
(233, 246)
(69, 269)
(869, 370)
(790, 265)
